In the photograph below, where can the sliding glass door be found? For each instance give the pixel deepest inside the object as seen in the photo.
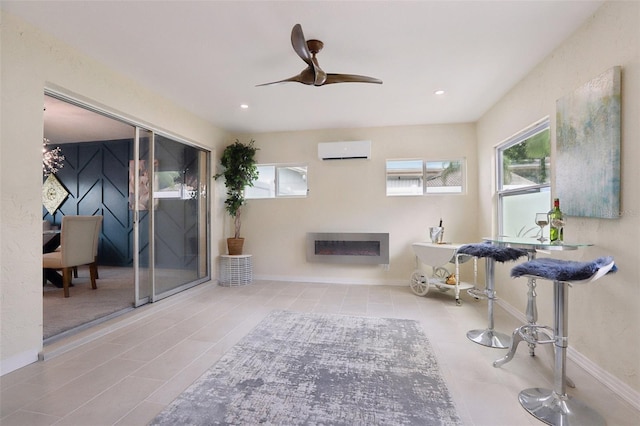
(151, 189)
(179, 216)
(171, 216)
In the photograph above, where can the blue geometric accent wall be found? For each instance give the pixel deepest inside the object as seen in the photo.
(96, 175)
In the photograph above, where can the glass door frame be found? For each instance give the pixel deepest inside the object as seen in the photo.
(139, 298)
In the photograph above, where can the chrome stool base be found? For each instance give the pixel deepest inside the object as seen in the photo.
(490, 338)
(555, 407)
(551, 408)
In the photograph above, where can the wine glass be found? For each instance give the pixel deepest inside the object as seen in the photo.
(559, 225)
(542, 220)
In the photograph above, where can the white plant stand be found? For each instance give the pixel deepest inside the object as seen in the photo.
(236, 270)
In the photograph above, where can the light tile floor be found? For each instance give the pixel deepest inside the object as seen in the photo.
(127, 370)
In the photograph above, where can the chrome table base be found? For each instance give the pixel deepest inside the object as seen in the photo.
(551, 408)
(530, 332)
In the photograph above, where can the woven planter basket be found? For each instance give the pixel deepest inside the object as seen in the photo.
(234, 245)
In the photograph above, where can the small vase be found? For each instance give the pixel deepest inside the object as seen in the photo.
(234, 245)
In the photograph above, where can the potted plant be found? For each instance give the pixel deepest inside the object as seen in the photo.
(239, 171)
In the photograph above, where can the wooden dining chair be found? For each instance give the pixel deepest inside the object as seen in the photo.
(78, 246)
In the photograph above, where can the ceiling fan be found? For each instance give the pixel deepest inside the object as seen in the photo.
(313, 74)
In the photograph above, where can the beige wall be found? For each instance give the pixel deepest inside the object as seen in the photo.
(31, 62)
(604, 317)
(349, 196)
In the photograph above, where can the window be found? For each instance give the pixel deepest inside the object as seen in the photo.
(444, 177)
(404, 177)
(279, 181)
(291, 181)
(419, 177)
(265, 185)
(523, 180)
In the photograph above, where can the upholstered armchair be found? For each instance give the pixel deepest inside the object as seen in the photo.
(78, 246)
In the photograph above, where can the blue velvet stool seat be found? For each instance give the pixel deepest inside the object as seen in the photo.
(555, 407)
(491, 253)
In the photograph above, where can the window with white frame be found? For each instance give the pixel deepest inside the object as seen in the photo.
(419, 177)
(523, 180)
(279, 180)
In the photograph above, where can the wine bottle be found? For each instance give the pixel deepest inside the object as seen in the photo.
(556, 233)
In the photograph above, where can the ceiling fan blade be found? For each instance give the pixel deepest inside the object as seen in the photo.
(320, 76)
(307, 76)
(300, 44)
(350, 78)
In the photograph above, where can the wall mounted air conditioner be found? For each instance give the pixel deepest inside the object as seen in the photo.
(344, 150)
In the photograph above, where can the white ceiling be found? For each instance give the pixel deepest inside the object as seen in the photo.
(208, 56)
(68, 123)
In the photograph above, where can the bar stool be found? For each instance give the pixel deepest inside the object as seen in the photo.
(555, 407)
(491, 253)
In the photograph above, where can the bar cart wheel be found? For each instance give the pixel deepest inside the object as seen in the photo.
(419, 283)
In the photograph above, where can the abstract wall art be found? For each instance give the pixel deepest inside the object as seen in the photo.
(53, 193)
(588, 148)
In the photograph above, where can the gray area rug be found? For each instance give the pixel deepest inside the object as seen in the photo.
(320, 369)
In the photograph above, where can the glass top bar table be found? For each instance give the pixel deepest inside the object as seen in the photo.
(533, 244)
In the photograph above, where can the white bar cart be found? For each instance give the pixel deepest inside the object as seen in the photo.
(437, 256)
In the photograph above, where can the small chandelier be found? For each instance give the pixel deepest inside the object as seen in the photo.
(52, 160)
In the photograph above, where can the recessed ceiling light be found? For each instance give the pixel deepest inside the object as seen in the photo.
(439, 92)
(244, 106)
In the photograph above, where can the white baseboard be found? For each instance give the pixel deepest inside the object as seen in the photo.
(333, 280)
(18, 361)
(616, 385)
